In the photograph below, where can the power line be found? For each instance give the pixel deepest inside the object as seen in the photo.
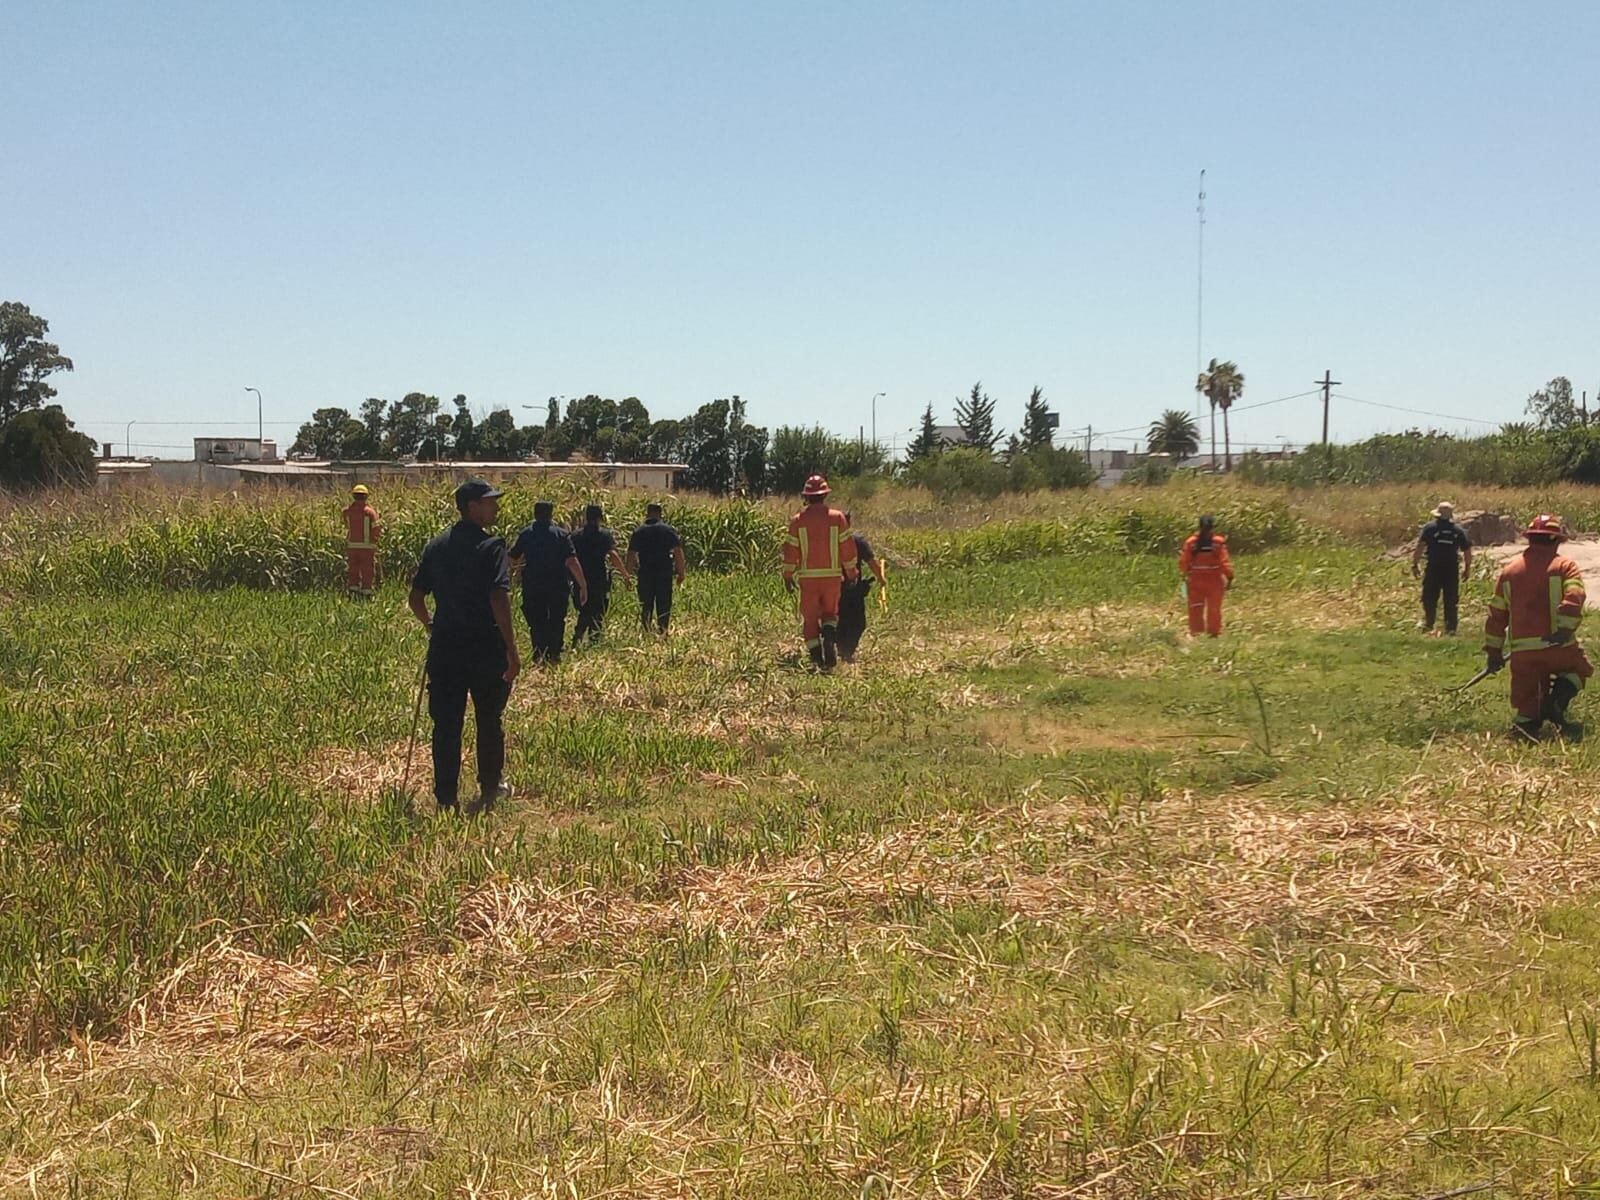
(198, 421)
(1237, 408)
(1420, 412)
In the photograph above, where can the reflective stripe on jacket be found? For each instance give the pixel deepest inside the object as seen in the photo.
(1193, 560)
(1537, 593)
(361, 527)
(818, 545)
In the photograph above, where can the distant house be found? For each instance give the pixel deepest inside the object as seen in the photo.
(951, 435)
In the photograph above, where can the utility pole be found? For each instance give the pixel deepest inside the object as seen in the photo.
(1200, 282)
(1328, 383)
(1088, 444)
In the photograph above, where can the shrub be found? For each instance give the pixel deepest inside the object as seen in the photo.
(960, 470)
(40, 448)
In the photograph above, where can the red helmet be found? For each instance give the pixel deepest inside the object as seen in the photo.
(1546, 525)
(817, 485)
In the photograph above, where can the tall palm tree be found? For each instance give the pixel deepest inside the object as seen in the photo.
(1175, 433)
(1221, 383)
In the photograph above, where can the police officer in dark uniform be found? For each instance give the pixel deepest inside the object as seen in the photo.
(655, 556)
(472, 648)
(545, 553)
(1449, 552)
(596, 547)
(853, 597)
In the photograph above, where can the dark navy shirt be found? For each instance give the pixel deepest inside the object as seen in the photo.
(594, 547)
(654, 542)
(460, 568)
(1444, 540)
(544, 548)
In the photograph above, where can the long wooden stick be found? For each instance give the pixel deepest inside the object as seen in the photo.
(416, 719)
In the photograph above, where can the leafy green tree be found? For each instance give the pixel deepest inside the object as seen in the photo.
(498, 438)
(410, 422)
(975, 416)
(1221, 383)
(749, 451)
(666, 441)
(437, 443)
(331, 433)
(1036, 430)
(374, 413)
(26, 360)
(927, 442)
(709, 446)
(1553, 406)
(463, 431)
(586, 416)
(40, 448)
(632, 417)
(1174, 433)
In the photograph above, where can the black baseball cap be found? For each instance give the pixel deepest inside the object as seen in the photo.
(593, 512)
(652, 507)
(476, 489)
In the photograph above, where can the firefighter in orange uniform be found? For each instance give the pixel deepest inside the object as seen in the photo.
(1207, 573)
(361, 543)
(1533, 621)
(819, 554)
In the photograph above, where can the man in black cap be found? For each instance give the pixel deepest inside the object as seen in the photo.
(544, 552)
(472, 648)
(853, 597)
(596, 547)
(655, 556)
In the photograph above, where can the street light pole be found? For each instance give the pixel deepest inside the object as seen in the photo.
(127, 433)
(875, 416)
(259, 434)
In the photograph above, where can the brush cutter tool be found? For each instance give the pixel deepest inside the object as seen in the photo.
(1492, 668)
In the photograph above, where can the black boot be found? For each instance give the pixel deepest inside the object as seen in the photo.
(1526, 730)
(816, 657)
(1562, 693)
(830, 647)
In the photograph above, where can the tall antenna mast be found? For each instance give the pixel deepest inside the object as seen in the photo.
(1199, 284)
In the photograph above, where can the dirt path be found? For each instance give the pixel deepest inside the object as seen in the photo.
(1585, 553)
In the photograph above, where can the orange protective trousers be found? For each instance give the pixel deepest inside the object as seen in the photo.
(819, 606)
(1205, 590)
(360, 568)
(1532, 670)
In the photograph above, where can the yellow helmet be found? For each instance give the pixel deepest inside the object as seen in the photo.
(360, 489)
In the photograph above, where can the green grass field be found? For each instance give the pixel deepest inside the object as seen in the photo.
(1039, 899)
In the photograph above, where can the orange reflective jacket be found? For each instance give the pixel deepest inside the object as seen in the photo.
(1538, 592)
(818, 546)
(1192, 560)
(361, 526)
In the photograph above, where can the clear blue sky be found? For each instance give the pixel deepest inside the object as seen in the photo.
(803, 204)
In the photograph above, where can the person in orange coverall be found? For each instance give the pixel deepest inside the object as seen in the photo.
(361, 543)
(819, 554)
(1533, 620)
(1207, 573)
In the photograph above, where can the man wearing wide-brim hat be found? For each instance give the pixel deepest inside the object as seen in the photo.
(1449, 552)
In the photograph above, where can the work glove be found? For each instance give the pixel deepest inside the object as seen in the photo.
(1494, 659)
(789, 584)
(1560, 637)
